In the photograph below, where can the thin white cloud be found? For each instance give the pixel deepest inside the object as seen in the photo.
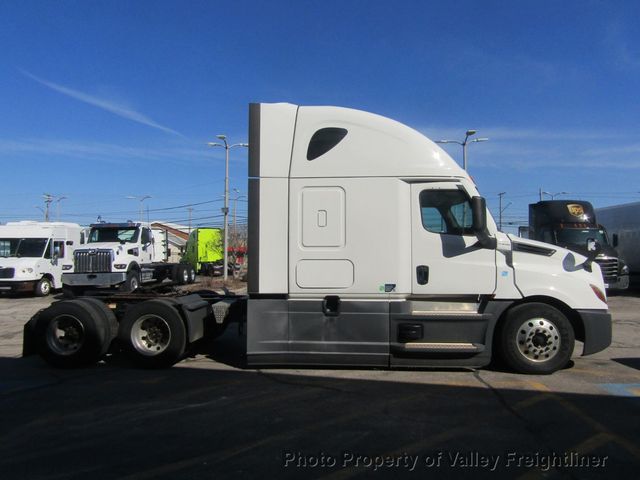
(111, 107)
(102, 152)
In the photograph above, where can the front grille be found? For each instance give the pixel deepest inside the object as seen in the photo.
(7, 272)
(92, 261)
(609, 267)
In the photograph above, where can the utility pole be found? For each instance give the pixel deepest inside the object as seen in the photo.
(48, 198)
(500, 211)
(190, 209)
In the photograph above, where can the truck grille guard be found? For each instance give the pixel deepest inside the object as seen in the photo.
(93, 261)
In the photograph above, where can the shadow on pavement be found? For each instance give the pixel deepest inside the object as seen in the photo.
(217, 422)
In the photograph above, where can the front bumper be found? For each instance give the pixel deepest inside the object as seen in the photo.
(597, 330)
(17, 286)
(93, 279)
(619, 283)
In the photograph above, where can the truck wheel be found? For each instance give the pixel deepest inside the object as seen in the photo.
(43, 287)
(72, 333)
(131, 283)
(536, 338)
(192, 274)
(153, 334)
(181, 274)
(105, 313)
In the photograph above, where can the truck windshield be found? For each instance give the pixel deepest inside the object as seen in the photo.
(579, 236)
(22, 247)
(114, 234)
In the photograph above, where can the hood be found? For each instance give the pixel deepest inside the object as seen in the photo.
(18, 262)
(105, 246)
(542, 269)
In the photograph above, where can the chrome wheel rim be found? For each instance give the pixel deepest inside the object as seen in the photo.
(150, 335)
(65, 335)
(538, 340)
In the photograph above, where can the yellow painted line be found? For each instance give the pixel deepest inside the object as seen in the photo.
(212, 458)
(151, 409)
(528, 402)
(589, 445)
(623, 442)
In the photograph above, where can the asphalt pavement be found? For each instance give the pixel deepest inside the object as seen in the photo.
(210, 417)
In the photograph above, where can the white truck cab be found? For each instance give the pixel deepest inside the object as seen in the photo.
(123, 255)
(34, 255)
(370, 246)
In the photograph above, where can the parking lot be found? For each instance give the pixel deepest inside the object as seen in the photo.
(209, 417)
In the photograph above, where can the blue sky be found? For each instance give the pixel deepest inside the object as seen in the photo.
(107, 99)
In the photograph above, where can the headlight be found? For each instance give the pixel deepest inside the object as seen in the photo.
(27, 270)
(120, 266)
(67, 267)
(624, 270)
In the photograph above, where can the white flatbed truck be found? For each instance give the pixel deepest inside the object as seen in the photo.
(369, 246)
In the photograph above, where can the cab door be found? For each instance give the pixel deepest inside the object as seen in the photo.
(447, 258)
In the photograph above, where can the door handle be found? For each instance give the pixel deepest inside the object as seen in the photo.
(422, 274)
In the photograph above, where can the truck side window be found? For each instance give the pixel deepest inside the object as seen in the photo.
(58, 248)
(446, 211)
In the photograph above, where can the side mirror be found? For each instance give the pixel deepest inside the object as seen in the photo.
(593, 250)
(479, 214)
(479, 225)
(593, 247)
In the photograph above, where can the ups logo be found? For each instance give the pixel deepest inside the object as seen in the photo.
(575, 209)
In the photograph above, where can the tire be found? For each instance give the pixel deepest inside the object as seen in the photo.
(181, 274)
(153, 334)
(192, 274)
(536, 338)
(72, 333)
(105, 313)
(43, 287)
(131, 283)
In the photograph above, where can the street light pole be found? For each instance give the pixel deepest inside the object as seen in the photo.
(225, 210)
(464, 143)
(58, 205)
(142, 199)
(553, 195)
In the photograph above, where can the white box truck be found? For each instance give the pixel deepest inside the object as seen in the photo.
(34, 255)
(368, 246)
(124, 256)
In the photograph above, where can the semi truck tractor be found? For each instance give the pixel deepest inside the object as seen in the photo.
(34, 255)
(123, 256)
(204, 251)
(571, 224)
(623, 224)
(369, 246)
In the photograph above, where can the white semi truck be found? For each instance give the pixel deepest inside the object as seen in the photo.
(123, 255)
(34, 255)
(369, 246)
